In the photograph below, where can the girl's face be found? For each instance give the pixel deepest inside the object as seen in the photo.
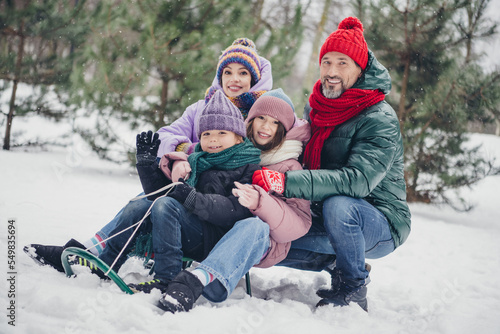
(214, 141)
(236, 79)
(264, 129)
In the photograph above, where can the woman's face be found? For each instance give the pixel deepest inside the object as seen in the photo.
(236, 79)
(264, 129)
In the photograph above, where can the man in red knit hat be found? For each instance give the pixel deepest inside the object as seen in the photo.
(355, 178)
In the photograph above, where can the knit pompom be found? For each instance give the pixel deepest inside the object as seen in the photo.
(351, 23)
(349, 40)
(245, 42)
(241, 51)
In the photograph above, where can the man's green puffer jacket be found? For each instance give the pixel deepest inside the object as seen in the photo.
(362, 158)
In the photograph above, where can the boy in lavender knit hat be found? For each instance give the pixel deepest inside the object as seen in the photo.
(203, 202)
(220, 114)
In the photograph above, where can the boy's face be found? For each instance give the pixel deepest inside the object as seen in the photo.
(214, 141)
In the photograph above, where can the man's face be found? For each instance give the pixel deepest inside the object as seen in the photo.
(338, 72)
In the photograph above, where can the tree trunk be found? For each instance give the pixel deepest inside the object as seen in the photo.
(160, 121)
(258, 7)
(360, 9)
(311, 76)
(17, 72)
(468, 41)
(402, 98)
(497, 130)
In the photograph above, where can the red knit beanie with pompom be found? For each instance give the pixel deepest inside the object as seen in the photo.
(348, 39)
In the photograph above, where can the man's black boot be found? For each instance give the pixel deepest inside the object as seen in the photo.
(343, 291)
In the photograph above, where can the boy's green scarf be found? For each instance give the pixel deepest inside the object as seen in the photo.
(231, 158)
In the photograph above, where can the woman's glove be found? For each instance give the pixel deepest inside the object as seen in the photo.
(147, 147)
(247, 195)
(269, 180)
(180, 169)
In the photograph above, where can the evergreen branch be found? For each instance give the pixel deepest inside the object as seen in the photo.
(196, 47)
(110, 87)
(185, 31)
(486, 85)
(434, 115)
(266, 24)
(433, 18)
(9, 31)
(407, 8)
(205, 15)
(68, 22)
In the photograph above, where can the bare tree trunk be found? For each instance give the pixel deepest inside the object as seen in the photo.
(311, 76)
(258, 7)
(17, 72)
(468, 41)
(495, 113)
(359, 9)
(402, 98)
(160, 121)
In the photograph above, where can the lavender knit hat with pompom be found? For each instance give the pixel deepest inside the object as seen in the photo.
(220, 114)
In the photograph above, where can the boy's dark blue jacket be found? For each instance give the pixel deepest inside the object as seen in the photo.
(211, 200)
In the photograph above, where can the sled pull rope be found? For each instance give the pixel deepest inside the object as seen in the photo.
(168, 187)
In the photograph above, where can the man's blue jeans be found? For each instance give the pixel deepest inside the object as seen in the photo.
(234, 255)
(176, 233)
(352, 230)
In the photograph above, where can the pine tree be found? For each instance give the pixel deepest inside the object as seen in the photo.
(436, 94)
(146, 61)
(38, 46)
(321, 22)
(279, 33)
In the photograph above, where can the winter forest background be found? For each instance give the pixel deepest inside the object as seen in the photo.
(79, 79)
(103, 66)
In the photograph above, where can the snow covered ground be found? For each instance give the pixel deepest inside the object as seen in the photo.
(444, 279)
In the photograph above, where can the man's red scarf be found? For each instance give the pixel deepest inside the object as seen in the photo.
(328, 113)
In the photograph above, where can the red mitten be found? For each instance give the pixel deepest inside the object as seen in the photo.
(269, 180)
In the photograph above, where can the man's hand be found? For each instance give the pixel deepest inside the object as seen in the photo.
(247, 195)
(269, 180)
(147, 147)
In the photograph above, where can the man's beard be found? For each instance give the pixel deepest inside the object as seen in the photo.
(328, 92)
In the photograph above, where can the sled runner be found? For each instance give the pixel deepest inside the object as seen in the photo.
(95, 261)
(112, 274)
(143, 248)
